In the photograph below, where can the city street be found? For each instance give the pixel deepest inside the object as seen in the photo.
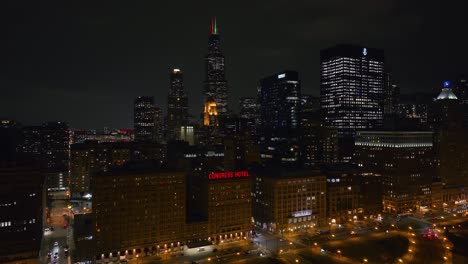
(60, 236)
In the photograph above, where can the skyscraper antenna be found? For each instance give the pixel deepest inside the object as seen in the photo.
(214, 27)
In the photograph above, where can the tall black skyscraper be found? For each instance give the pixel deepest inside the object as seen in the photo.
(279, 104)
(177, 106)
(146, 119)
(215, 82)
(392, 95)
(461, 89)
(56, 146)
(352, 86)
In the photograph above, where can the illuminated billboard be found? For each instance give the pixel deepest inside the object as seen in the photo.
(228, 175)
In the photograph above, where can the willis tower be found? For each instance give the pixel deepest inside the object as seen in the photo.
(215, 86)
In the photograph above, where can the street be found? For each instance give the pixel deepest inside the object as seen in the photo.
(59, 236)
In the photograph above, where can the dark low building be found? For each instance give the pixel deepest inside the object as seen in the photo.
(22, 201)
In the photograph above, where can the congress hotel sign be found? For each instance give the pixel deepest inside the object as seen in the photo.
(228, 175)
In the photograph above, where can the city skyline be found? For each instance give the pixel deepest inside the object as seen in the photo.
(278, 132)
(107, 58)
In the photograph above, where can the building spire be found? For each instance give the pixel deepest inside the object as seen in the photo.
(214, 27)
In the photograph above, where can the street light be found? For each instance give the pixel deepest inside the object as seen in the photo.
(365, 260)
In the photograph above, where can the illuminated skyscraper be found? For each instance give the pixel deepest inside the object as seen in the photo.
(279, 104)
(352, 86)
(146, 119)
(177, 106)
(215, 84)
(210, 114)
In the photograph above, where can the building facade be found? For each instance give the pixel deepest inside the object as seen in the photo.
(392, 95)
(92, 157)
(285, 202)
(22, 202)
(342, 196)
(279, 106)
(229, 205)
(177, 106)
(405, 161)
(450, 141)
(56, 138)
(215, 85)
(146, 119)
(248, 111)
(138, 211)
(352, 83)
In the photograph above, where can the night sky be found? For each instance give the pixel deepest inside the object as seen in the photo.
(85, 62)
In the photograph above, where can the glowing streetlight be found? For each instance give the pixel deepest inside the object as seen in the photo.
(365, 260)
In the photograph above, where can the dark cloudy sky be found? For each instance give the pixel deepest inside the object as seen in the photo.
(86, 61)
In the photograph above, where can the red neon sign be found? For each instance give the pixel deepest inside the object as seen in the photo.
(228, 175)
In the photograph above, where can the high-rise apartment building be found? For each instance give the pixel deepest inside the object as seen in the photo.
(215, 85)
(177, 106)
(352, 83)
